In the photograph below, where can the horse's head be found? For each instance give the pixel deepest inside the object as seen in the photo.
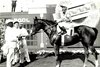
(38, 24)
(47, 25)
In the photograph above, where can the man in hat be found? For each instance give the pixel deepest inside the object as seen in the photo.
(10, 43)
(9, 25)
(62, 15)
(63, 18)
(16, 34)
(24, 33)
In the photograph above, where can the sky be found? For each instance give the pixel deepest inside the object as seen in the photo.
(5, 5)
(26, 5)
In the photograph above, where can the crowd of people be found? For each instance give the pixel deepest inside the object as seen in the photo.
(15, 47)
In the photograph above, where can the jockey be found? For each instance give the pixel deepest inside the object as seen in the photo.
(63, 18)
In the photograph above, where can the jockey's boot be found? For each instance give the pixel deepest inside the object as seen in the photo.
(62, 40)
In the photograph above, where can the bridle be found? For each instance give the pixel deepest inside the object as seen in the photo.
(50, 27)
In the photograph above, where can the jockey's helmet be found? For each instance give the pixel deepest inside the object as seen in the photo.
(64, 3)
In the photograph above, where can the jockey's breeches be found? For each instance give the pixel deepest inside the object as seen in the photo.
(65, 25)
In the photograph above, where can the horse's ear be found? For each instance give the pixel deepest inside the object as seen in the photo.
(35, 17)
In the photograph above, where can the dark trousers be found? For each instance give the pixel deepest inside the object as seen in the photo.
(13, 6)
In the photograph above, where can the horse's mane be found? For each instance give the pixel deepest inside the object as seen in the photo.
(50, 22)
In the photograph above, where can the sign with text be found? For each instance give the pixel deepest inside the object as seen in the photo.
(22, 19)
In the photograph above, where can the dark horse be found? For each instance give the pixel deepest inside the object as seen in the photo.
(86, 35)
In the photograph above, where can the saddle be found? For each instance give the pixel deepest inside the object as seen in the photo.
(67, 31)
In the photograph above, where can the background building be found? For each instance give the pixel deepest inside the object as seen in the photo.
(82, 11)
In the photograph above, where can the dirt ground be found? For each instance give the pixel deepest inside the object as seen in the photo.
(47, 60)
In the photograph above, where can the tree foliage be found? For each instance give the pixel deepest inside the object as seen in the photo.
(2, 31)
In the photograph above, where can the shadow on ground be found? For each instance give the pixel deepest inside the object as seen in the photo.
(63, 56)
(32, 58)
(68, 56)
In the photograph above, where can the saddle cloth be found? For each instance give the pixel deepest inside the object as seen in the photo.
(70, 32)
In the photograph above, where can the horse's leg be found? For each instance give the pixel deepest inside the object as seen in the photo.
(95, 53)
(86, 56)
(58, 62)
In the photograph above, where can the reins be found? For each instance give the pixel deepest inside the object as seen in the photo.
(51, 26)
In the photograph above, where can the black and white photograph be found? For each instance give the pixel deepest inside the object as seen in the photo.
(49, 33)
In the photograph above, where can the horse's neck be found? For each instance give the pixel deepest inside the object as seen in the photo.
(49, 31)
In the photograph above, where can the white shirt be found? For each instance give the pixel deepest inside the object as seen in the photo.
(11, 37)
(23, 32)
(16, 32)
(59, 16)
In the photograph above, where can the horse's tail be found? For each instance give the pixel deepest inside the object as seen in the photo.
(96, 31)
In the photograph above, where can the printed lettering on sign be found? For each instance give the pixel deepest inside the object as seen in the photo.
(22, 19)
